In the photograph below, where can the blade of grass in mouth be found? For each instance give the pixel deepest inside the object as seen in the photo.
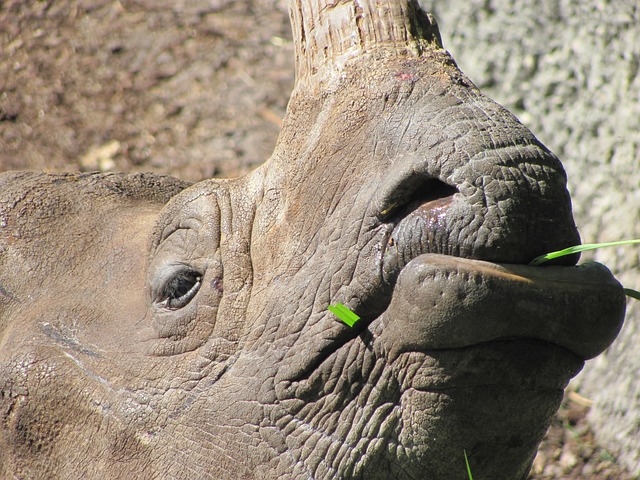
(578, 248)
(583, 248)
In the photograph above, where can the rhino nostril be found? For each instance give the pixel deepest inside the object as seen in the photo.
(415, 192)
(434, 191)
(419, 226)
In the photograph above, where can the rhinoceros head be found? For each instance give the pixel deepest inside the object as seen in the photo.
(154, 334)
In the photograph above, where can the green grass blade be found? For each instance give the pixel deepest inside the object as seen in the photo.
(344, 314)
(468, 467)
(579, 248)
(348, 316)
(632, 293)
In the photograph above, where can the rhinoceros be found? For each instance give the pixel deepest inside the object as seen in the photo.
(155, 329)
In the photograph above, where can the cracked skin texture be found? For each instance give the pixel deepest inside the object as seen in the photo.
(159, 330)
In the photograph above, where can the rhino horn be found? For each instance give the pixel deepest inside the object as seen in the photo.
(326, 35)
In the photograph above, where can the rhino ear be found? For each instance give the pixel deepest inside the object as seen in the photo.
(185, 274)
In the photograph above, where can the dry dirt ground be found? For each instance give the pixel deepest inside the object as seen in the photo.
(190, 88)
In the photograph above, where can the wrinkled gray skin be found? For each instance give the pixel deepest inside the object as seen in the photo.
(154, 334)
(570, 69)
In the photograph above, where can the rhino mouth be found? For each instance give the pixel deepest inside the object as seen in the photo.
(435, 289)
(443, 292)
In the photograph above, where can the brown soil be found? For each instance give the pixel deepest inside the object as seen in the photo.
(191, 88)
(569, 451)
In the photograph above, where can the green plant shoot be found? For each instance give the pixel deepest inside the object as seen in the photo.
(632, 293)
(578, 248)
(583, 248)
(344, 314)
(466, 460)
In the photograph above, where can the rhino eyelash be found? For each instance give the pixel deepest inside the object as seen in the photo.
(179, 289)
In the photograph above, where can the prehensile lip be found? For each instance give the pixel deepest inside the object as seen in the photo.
(444, 302)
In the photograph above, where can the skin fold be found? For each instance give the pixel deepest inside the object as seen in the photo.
(153, 329)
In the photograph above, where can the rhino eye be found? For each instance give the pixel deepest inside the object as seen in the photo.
(179, 288)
